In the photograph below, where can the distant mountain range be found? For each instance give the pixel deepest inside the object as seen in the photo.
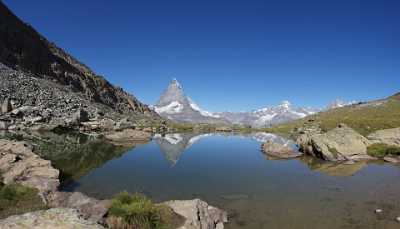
(174, 104)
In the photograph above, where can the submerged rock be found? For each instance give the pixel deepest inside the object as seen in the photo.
(388, 136)
(56, 218)
(279, 151)
(198, 214)
(339, 144)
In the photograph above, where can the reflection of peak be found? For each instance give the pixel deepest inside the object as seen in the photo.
(174, 145)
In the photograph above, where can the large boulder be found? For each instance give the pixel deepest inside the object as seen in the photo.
(56, 218)
(388, 136)
(339, 144)
(198, 214)
(279, 151)
(18, 164)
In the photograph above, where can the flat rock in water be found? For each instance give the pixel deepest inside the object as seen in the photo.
(56, 218)
(279, 151)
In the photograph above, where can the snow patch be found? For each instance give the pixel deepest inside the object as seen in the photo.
(196, 107)
(172, 108)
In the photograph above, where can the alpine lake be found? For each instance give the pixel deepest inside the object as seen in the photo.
(230, 171)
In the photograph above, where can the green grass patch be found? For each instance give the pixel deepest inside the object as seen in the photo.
(381, 150)
(16, 199)
(136, 211)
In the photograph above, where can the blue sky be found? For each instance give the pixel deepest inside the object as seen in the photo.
(231, 55)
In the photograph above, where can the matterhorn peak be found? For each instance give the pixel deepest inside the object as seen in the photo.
(175, 83)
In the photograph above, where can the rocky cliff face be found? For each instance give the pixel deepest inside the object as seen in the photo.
(23, 49)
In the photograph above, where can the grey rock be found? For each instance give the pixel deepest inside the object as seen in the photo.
(4, 125)
(6, 106)
(56, 218)
(20, 165)
(90, 208)
(388, 136)
(24, 110)
(339, 144)
(32, 120)
(392, 159)
(78, 117)
(279, 151)
(198, 214)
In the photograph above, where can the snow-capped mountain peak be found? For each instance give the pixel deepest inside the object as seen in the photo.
(176, 105)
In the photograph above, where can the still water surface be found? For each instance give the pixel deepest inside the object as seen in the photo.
(232, 173)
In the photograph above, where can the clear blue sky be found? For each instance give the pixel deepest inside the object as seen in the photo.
(231, 55)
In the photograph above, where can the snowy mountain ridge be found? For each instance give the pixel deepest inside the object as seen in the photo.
(174, 104)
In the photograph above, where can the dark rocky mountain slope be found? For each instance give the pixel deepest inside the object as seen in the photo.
(23, 48)
(41, 83)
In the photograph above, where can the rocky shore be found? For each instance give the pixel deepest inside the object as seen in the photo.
(19, 165)
(341, 144)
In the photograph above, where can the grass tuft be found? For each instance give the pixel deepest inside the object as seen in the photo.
(136, 211)
(16, 199)
(381, 150)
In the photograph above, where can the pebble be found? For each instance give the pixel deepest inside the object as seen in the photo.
(378, 211)
(398, 219)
